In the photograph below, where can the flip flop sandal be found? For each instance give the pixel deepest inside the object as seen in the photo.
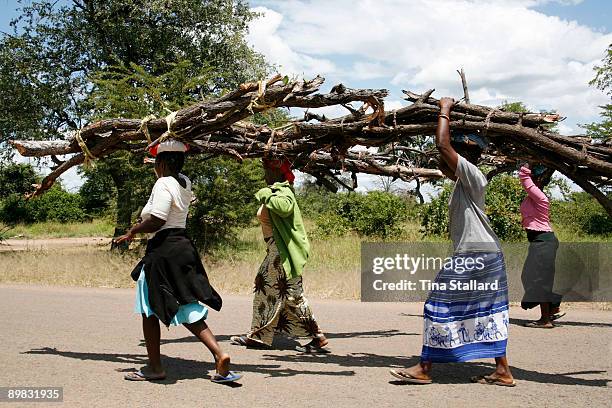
(536, 325)
(557, 316)
(140, 376)
(246, 342)
(488, 380)
(310, 349)
(230, 377)
(407, 378)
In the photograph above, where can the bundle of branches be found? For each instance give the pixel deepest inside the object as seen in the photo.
(323, 147)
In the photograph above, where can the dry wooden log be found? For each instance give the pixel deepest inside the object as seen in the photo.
(318, 144)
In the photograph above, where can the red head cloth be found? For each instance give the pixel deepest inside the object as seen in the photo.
(283, 165)
(285, 168)
(168, 146)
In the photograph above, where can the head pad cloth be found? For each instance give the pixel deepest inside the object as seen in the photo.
(469, 139)
(538, 170)
(169, 145)
(283, 165)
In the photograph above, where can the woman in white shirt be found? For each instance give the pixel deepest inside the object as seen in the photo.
(171, 283)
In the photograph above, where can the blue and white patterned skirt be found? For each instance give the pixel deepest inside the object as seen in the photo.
(189, 313)
(466, 315)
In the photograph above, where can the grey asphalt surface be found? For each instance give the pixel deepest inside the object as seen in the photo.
(85, 339)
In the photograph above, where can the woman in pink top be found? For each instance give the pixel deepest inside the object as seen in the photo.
(539, 270)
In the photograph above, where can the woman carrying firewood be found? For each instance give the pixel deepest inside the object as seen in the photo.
(279, 305)
(539, 270)
(171, 283)
(465, 324)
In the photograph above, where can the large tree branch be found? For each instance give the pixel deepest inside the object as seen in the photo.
(218, 126)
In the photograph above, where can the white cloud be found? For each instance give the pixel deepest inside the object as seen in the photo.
(564, 129)
(262, 35)
(508, 50)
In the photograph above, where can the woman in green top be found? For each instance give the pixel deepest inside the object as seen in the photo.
(279, 305)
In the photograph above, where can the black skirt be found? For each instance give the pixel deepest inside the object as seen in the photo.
(538, 275)
(175, 274)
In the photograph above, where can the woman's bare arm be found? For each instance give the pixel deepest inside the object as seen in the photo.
(447, 153)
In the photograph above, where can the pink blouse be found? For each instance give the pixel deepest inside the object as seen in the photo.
(535, 207)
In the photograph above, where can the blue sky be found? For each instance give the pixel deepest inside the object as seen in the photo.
(541, 52)
(593, 13)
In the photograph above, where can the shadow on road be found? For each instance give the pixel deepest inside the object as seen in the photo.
(183, 369)
(282, 343)
(451, 373)
(448, 373)
(561, 323)
(460, 373)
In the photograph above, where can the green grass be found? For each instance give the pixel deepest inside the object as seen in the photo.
(569, 234)
(248, 242)
(53, 229)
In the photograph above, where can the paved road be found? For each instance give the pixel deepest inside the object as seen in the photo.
(82, 339)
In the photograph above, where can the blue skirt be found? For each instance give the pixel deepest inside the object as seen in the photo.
(466, 313)
(189, 313)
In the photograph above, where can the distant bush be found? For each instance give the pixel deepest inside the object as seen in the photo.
(224, 199)
(16, 178)
(583, 214)
(316, 203)
(375, 214)
(14, 209)
(98, 192)
(331, 224)
(55, 205)
(502, 201)
(434, 215)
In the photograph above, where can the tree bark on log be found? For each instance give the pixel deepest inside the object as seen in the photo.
(317, 144)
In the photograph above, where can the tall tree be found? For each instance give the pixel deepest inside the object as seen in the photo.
(56, 66)
(603, 81)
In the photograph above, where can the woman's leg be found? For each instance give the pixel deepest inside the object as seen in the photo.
(152, 335)
(266, 303)
(201, 330)
(545, 312)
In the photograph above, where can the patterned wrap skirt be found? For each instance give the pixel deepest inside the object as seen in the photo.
(466, 313)
(279, 305)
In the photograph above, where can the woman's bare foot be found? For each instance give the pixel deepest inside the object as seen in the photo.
(502, 378)
(320, 342)
(222, 365)
(315, 345)
(246, 341)
(418, 374)
(540, 324)
(146, 373)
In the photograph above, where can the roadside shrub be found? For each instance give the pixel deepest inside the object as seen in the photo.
(502, 201)
(55, 205)
(331, 224)
(14, 209)
(434, 215)
(16, 178)
(583, 214)
(224, 199)
(375, 214)
(316, 203)
(98, 192)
